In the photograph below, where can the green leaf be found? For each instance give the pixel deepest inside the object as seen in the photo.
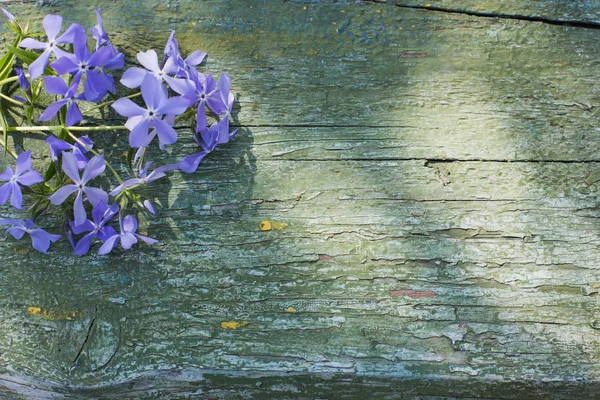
(50, 172)
(130, 155)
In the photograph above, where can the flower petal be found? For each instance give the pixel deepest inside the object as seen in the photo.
(6, 175)
(40, 239)
(174, 106)
(69, 35)
(109, 244)
(166, 133)
(52, 109)
(128, 183)
(130, 224)
(61, 194)
(87, 226)
(190, 163)
(139, 134)
(37, 67)
(95, 167)
(73, 114)
(147, 240)
(149, 60)
(195, 58)
(5, 191)
(95, 195)
(52, 24)
(23, 162)
(128, 240)
(83, 246)
(151, 92)
(17, 232)
(149, 206)
(64, 65)
(128, 108)
(16, 198)
(79, 210)
(55, 85)
(70, 168)
(29, 178)
(133, 77)
(29, 43)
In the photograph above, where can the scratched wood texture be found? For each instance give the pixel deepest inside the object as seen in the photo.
(437, 173)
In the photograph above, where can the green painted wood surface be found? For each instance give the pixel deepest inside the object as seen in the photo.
(438, 174)
(577, 11)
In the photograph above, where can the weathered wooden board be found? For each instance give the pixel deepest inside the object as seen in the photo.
(580, 12)
(437, 173)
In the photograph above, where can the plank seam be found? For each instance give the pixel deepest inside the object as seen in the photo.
(518, 17)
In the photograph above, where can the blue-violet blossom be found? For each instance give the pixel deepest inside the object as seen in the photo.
(23, 175)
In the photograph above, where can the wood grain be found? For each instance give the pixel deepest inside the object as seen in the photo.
(435, 178)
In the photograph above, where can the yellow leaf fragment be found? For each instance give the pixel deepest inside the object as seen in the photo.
(269, 225)
(52, 315)
(233, 324)
(290, 309)
(265, 226)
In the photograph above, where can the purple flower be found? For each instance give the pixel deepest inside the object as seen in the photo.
(172, 51)
(39, 238)
(82, 62)
(144, 177)
(24, 175)
(57, 146)
(56, 85)
(52, 25)
(23, 82)
(8, 15)
(117, 60)
(157, 105)
(198, 89)
(101, 215)
(222, 102)
(134, 77)
(94, 195)
(128, 237)
(209, 139)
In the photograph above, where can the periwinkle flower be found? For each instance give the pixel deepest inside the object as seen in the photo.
(94, 195)
(209, 139)
(117, 60)
(134, 76)
(172, 51)
(52, 25)
(57, 147)
(144, 177)
(157, 105)
(128, 236)
(56, 85)
(23, 175)
(82, 62)
(8, 15)
(23, 81)
(40, 239)
(96, 227)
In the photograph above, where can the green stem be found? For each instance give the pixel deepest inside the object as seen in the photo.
(58, 128)
(11, 79)
(7, 98)
(8, 150)
(106, 103)
(75, 138)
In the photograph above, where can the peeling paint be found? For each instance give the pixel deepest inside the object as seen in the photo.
(52, 315)
(233, 324)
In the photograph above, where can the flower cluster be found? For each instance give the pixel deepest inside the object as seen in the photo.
(65, 65)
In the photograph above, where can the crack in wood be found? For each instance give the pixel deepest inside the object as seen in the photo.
(517, 17)
(87, 337)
